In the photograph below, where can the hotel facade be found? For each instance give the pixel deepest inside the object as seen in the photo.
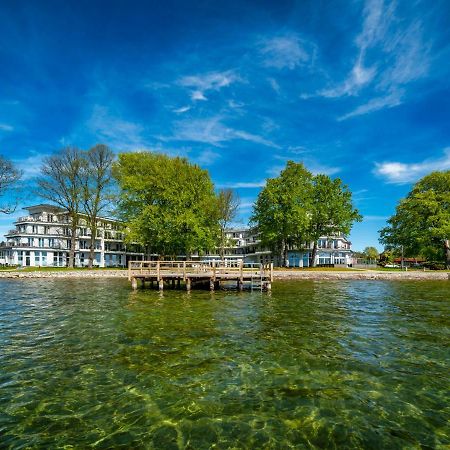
(42, 239)
(245, 244)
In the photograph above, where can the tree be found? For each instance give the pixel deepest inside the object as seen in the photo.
(60, 182)
(168, 204)
(228, 204)
(421, 223)
(9, 176)
(96, 181)
(371, 253)
(331, 212)
(281, 212)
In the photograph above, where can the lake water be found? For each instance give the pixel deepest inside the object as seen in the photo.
(348, 364)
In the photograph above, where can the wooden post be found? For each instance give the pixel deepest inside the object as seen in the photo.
(214, 271)
(178, 283)
(241, 271)
(240, 285)
(161, 284)
(129, 270)
(158, 270)
(271, 272)
(134, 283)
(184, 270)
(211, 284)
(173, 283)
(188, 284)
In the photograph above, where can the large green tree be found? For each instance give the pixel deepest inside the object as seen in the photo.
(371, 253)
(281, 212)
(332, 211)
(421, 223)
(168, 204)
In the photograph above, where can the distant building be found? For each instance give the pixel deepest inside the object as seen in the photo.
(42, 238)
(245, 244)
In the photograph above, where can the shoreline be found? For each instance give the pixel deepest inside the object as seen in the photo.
(278, 275)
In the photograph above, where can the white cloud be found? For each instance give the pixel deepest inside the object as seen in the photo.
(213, 131)
(242, 185)
(389, 101)
(274, 85)
(400, 53)
(375, 218)
(211, 81)
(182, 110)
(198, 95)
(6, 127)
(31, 165)
(109, 128)
(285, 51)
(401, 173)
(206, 158)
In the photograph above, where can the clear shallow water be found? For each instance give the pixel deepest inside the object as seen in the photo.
(349, 364)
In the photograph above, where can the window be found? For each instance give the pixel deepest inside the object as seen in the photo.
(41, 242)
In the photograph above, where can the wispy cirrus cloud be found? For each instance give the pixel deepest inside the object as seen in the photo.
(109, 127)
(402, 173)
(30, 166)
(213, 131)
(182, 109)
(207, 157)
(242, 184)
(388, 101)
(391, 53)
(201, 84)
(285, 51)
(6, 127)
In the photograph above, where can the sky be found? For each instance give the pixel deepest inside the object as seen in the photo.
(355, 89)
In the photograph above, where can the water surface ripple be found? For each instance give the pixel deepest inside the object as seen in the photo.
(347, 364)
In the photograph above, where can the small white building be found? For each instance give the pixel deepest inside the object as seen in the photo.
(245, 244)
(42, 239)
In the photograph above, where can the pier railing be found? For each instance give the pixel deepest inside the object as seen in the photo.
(195, 269)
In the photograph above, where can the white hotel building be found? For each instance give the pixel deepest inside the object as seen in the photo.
(42, 238)
(244, 244)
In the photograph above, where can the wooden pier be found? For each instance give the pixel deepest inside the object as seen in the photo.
(190, 274)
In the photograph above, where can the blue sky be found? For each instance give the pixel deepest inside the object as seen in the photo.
(355, 89)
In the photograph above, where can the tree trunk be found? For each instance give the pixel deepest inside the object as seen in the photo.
(222, 245)
(284, 253)
(313, 255)
(73, 241)
(92, 246)
(447, 252)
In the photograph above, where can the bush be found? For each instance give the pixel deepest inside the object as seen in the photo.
(434, 265)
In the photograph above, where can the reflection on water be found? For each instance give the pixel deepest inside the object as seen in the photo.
(316, 364)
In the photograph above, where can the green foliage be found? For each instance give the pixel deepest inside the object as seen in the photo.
(168, 204)
(332, 209)
(280, 213)
(371, 253)
(421, 222)
(297, 207)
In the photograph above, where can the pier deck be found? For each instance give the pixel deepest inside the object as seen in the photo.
(195, 273)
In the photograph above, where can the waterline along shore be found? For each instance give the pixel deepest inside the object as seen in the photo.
(278, 275)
